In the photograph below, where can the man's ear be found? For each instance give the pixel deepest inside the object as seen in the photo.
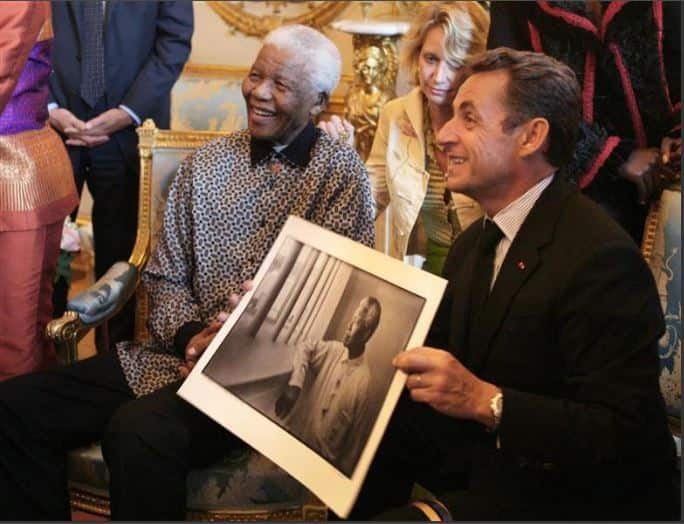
(320, 105)
(533, 137)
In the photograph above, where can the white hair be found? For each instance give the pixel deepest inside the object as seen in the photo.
(317, 56)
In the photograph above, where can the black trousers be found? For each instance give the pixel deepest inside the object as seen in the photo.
(418, 446)
(149, 443)
(457, 462)
(113, 184)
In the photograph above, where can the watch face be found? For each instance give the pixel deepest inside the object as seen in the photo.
(496, 405)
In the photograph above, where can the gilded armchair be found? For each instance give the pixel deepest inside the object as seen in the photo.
(242, 486)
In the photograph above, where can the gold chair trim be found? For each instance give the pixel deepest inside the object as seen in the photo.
(651, 225)
(97, 505)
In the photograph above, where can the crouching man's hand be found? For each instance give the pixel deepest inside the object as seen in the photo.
(287, 400)
(437, 378)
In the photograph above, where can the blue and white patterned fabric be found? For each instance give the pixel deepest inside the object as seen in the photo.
(665, 260)
(242, 481)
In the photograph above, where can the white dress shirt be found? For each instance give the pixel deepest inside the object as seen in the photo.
(511, 218)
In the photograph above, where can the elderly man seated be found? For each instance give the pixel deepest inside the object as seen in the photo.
(225, 208)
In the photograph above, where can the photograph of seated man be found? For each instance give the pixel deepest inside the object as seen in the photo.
(326, 400)
(312, 350)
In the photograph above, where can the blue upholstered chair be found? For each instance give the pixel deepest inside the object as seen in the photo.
(242, 486)
(662, 248)
(208, 98)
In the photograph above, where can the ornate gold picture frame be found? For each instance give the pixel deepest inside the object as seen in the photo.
(240, 17)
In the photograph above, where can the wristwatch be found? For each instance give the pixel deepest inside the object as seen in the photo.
(496, 405)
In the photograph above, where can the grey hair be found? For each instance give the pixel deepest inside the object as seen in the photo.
(317, 56)
(465, 26)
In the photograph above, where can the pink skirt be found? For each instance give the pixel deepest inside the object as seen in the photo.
(27, 261)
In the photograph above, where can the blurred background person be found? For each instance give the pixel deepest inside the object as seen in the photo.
(37, 189)
(627, 57)
(115, 64)
(405, 165)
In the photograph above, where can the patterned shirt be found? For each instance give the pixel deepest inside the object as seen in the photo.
(226, 206)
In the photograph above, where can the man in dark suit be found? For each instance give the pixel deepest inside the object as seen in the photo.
(544, 401)
(115, 64)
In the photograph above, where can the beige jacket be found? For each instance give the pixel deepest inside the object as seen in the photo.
(396, 165)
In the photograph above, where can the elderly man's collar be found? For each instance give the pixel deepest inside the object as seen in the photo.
(298, 151)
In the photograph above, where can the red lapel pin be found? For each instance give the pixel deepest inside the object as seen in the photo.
(521, 265)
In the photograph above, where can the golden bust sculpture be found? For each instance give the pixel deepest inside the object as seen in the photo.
(368, 94)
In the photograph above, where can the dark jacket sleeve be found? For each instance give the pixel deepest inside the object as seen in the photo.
(55, 90)
(609, 321)
(171, 50)
(64, 28)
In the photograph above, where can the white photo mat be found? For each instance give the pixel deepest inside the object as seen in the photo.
(336, 489)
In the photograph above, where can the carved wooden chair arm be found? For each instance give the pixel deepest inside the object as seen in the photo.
(92, 307)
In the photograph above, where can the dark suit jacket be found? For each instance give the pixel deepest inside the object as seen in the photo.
(570, 335)
(146, 45)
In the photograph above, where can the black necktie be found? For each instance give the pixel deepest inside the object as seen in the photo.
(92, 52)
(484, 268)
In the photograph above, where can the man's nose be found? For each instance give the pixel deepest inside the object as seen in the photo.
(448, 134)
(262, 90)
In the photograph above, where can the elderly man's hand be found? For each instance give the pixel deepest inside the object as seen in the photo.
(287, 400)
(338, 129)
(234, 298)
(200, 342)
(437, 378)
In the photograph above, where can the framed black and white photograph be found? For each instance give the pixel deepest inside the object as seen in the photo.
(302, 371)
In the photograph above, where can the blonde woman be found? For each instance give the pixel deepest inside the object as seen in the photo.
(406, 167)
